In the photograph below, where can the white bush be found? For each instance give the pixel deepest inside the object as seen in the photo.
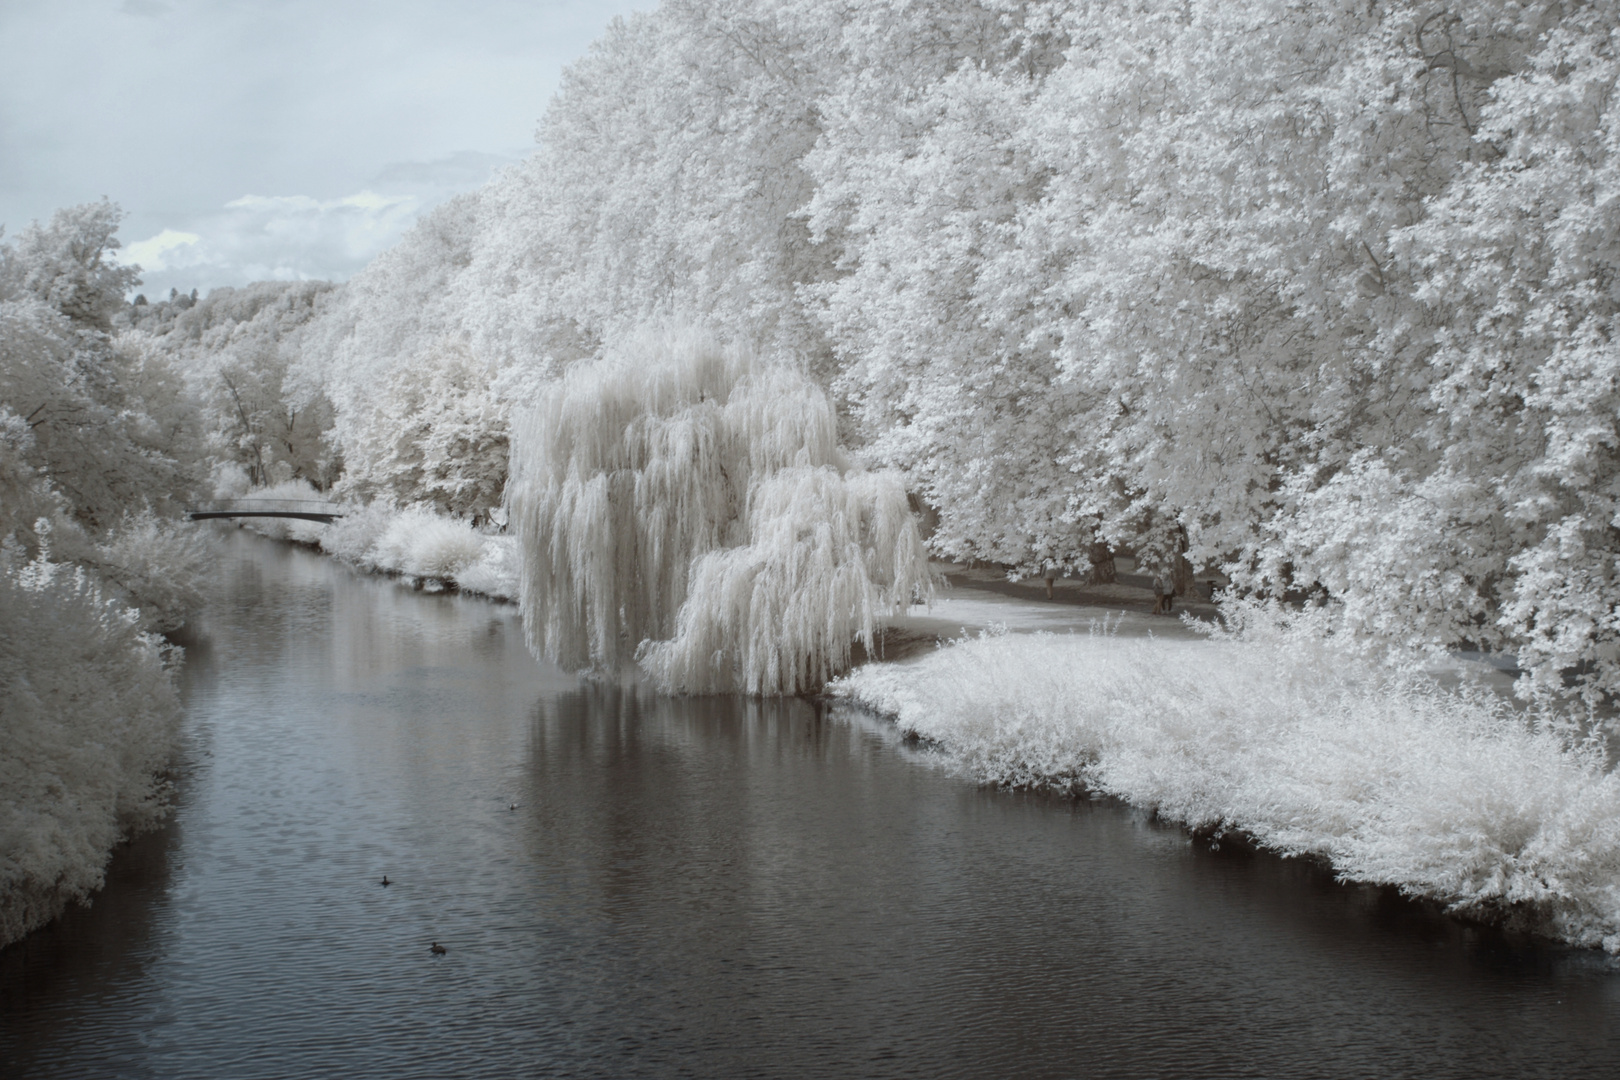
(90, 718)
(354, 536)
(156, 566)
(229, 480)
(496, 571)
(289, 494)
(421, 543)
(1307, 747)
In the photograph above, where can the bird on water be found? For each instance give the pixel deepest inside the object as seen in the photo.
(436, 949)
(385, 881)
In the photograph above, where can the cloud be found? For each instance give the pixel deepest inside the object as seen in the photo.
(150, 253)
(172, 108)
(294, 237)
(275, 237)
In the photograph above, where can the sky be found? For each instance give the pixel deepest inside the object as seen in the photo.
(256, 139)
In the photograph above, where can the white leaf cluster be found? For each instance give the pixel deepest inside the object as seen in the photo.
(101, 439)
(423, 544)
(688, 504)
(89, 720)
(417, 415)
(109, 430)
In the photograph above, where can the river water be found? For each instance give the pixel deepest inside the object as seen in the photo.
(700, 888)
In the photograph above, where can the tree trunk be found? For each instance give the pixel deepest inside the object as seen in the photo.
(1182, 573)
(1102, 565)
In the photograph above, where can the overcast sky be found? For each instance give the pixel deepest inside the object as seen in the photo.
(252, 139)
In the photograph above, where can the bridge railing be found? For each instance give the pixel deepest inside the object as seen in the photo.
(250, 506)
(249, 502)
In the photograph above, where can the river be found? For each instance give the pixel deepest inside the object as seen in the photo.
(700, 887)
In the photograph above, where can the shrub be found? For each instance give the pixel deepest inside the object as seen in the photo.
(1278, 730)
(496, 571)
(421, 543)
(156, 566)
(90, 718)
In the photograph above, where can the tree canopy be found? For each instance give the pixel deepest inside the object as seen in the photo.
(1318, 294)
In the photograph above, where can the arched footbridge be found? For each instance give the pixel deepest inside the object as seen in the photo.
(302, 509)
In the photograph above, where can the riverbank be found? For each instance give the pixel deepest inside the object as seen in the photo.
(978, 599)
(1447, 792)
(91, 721)
(707, 886)
(430, 551)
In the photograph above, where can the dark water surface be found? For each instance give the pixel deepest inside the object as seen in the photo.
(704, 888)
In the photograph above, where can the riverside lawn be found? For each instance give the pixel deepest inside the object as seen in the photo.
(1276, 729)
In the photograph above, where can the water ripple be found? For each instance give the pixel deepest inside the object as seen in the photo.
(700, 888)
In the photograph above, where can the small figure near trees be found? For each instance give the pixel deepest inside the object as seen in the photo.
(1049, 575)
(1161, 596)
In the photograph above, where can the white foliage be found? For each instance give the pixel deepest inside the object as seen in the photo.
(414, 416)
(156, 566)
(1514, 266)
(68, 264)
(673, 464)
(423, 544)
(668, 180)
(1300, 743)
(229, 480)
(25, 494)
(112, 429)
(89, 718)
(495, 573)
(354, 536)
(827, 557)
(435, 433)
(109, 431)
(237, 348)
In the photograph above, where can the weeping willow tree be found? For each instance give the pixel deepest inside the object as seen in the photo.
(688, 505)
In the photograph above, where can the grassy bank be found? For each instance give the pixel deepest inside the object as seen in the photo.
(1298, 742)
